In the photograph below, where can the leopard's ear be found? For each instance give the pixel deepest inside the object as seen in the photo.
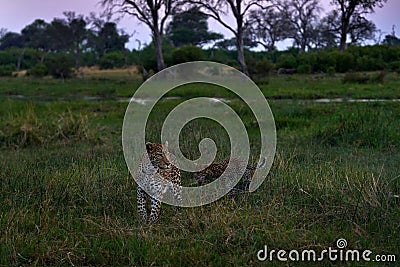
(149, 146)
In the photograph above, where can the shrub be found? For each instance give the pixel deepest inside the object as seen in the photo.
(304, 69)
(394, 66)
(331, 71)
(260, 67)
(367, 63)
(147, 56)
(60, 66)
(7, 70)
(187, 54)
(326, 60)
(39, 70)
(309, 58)
(344, 61)
(286, 61)
(112, 60)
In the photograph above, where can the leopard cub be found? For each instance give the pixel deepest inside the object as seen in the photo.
(168, 178)
(216, 169)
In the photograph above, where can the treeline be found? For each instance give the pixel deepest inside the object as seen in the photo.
(60, 47)
(61, 65)
(260, 22)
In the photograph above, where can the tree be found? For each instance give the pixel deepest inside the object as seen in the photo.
(359, 29)
(153, 13)
(240, 9)
(190, 27)
(60, 35)
(35, 35)
(3, 32)
(303, 15)
(348, 11)
(77, 26)
(104, 36)
(108, 39)
(11, 39)
(391, 40)
(269, 26)
(326, 35)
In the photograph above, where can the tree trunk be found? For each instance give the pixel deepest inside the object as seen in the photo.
(20, 58)
(343, 41)
(343, 36)
(158, 47)
(77, 56)
(240, 51)
(303, 46)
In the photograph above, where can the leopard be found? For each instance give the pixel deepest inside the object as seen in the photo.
(157, 161)
(216, 169)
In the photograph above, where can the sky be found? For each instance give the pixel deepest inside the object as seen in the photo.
(16, 14)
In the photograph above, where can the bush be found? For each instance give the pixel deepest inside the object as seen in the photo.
(326, 60)
(260, 67)
(364, 78)
(286, 61)
(6, 70)
(394, 66)
(367, 63)
(112, 60)
(309, 58)
(331, 71)
(187, 54)
(344, 61)
(39, 70)
(60, 66)
(147, 56)
(304, 69)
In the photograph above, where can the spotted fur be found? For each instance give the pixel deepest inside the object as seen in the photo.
(169, 178)
(216, 169)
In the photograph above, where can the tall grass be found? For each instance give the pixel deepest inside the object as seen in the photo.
(69, 200)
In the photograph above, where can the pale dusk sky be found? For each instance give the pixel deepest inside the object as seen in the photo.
(16, 14)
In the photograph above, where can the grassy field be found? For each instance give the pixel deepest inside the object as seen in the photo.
(67, 198)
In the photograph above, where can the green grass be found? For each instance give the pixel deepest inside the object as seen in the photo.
(67, 198)
(113, 86)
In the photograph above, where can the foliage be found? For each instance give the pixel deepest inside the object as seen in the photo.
(39, 70)
(269, 26)
(286, 61)
(112, 60)
(147, 57)
(60, 65)
(301, 15)
(108, 39)
(348, 18)
(6, 70)
(190, 27)
(186, 54)
(391, 40)
(304, 69)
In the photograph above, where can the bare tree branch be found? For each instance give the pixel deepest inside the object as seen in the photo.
(153, 13)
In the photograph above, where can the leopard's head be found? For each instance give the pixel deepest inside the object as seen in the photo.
(203, 177)
(157, 155)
